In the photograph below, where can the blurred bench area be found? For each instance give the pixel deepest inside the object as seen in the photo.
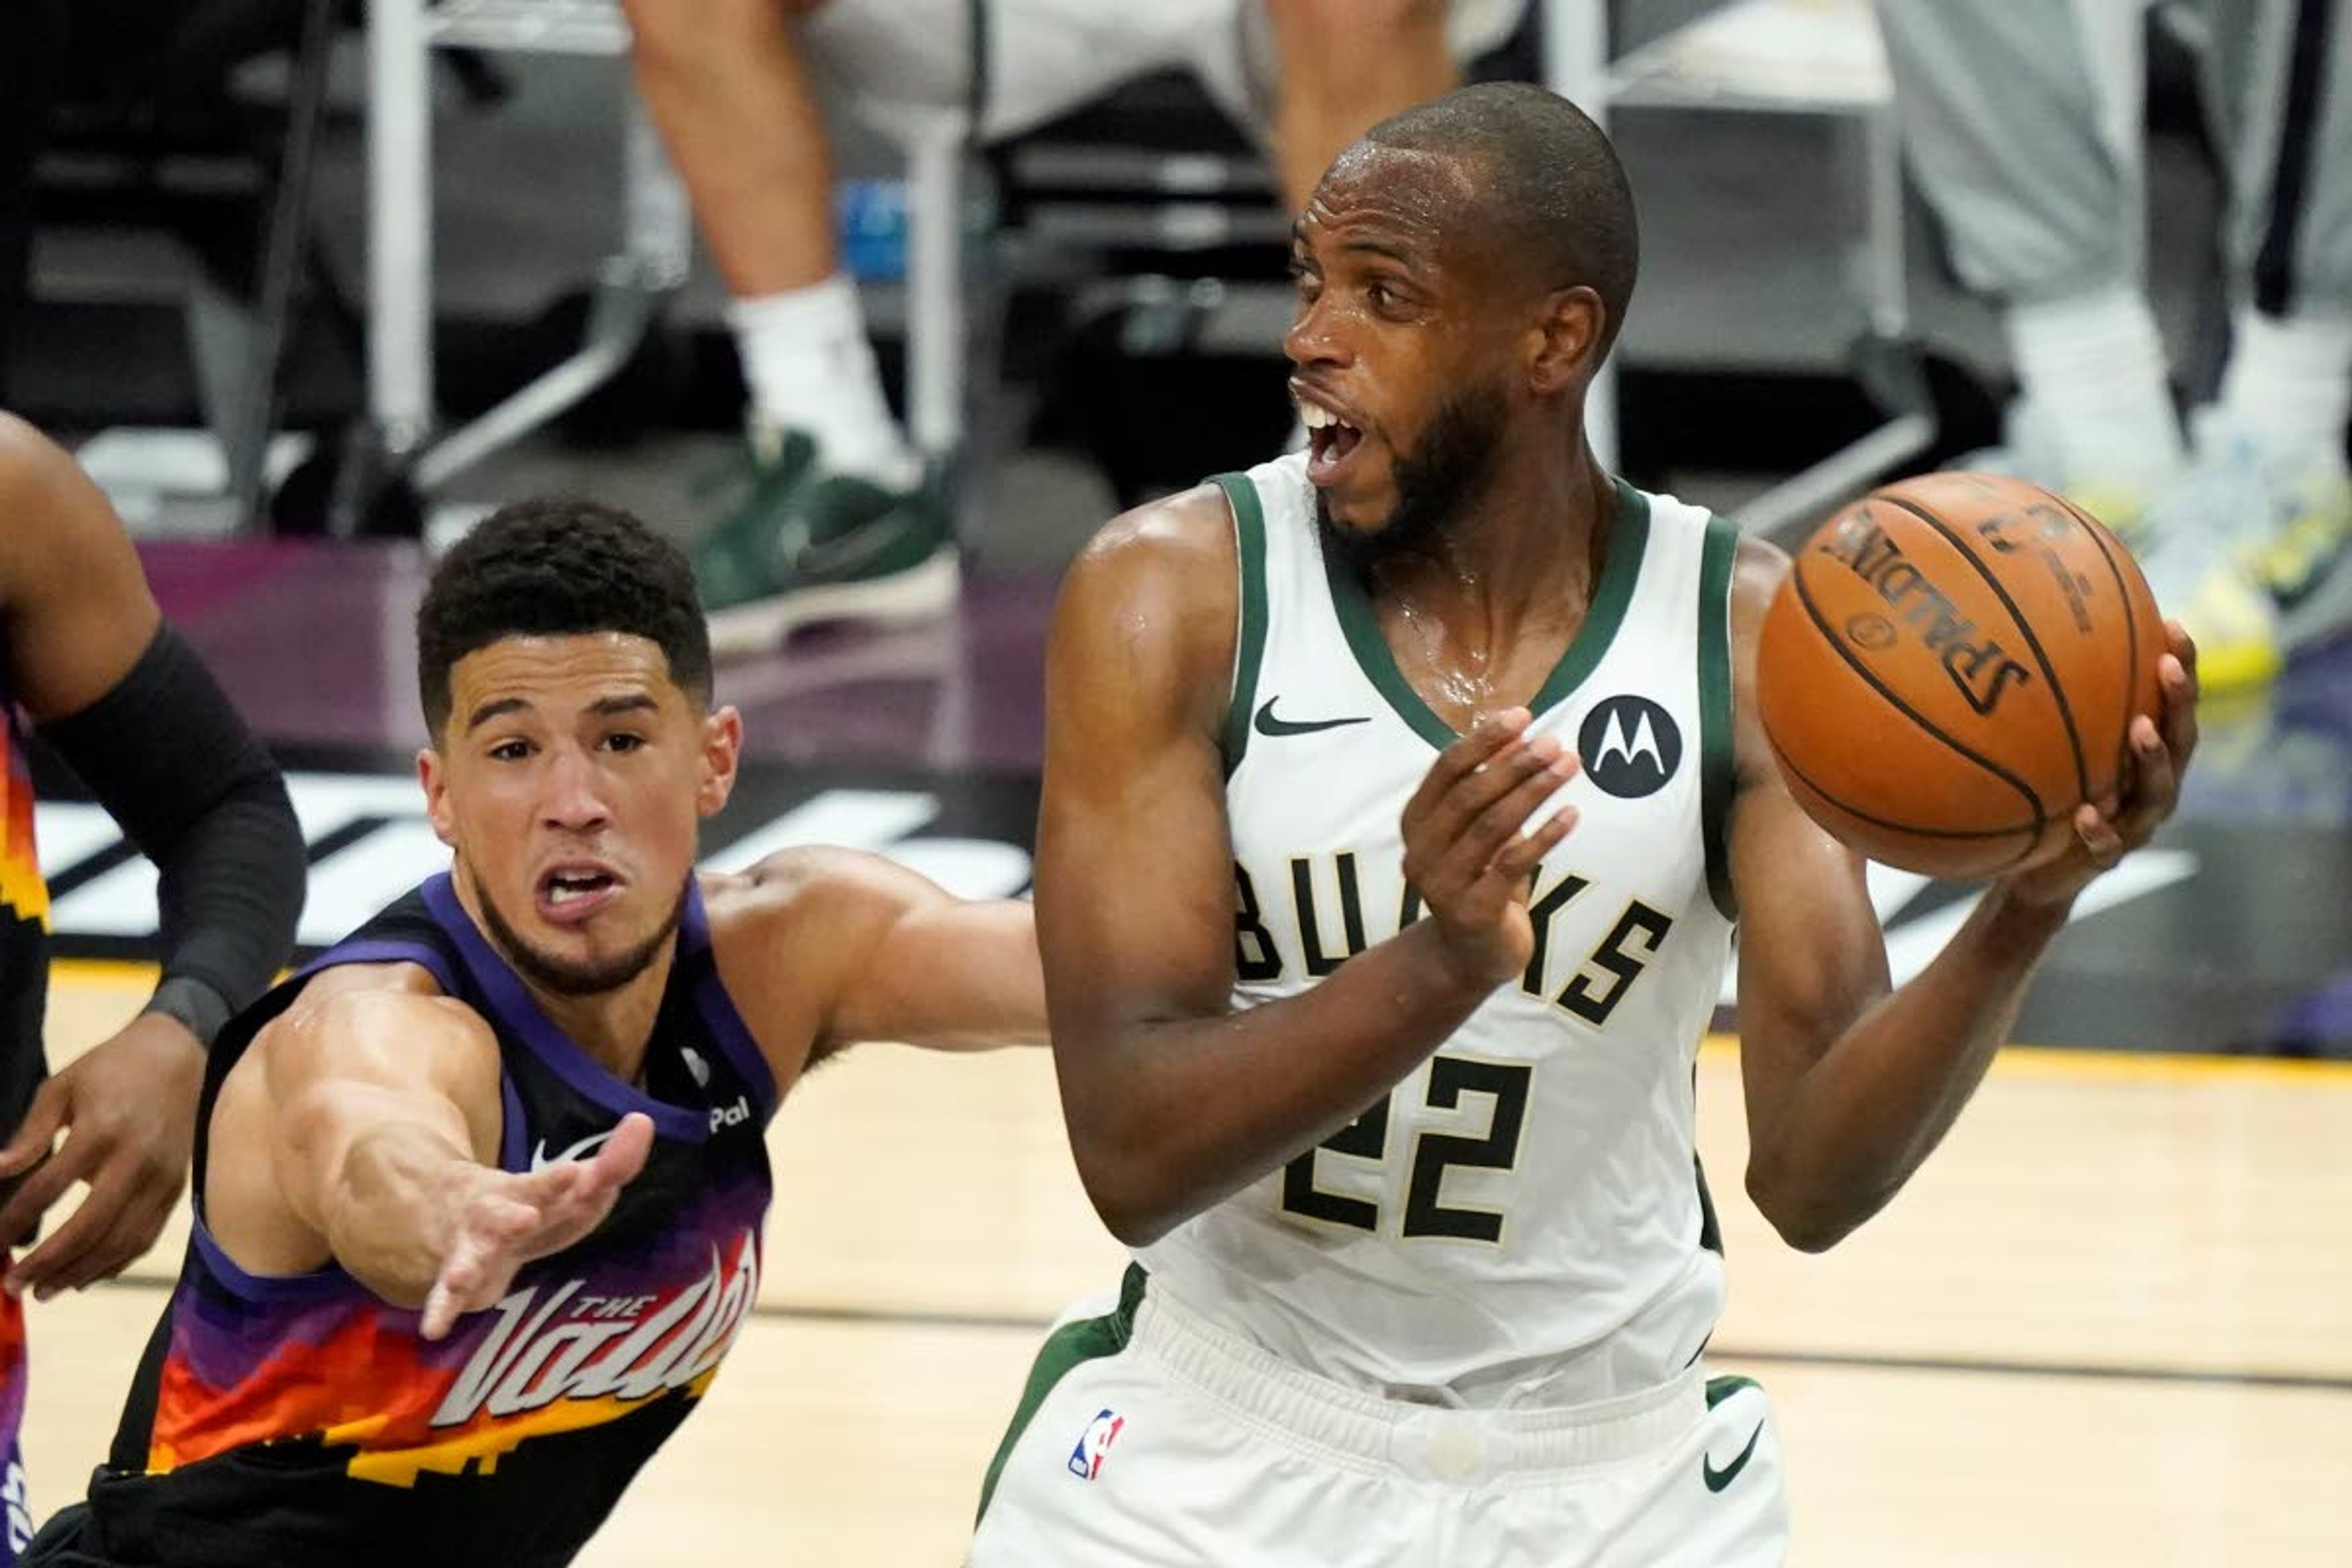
(198, 247)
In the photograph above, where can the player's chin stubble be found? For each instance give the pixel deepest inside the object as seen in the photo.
(1433, 483)
(569, 979)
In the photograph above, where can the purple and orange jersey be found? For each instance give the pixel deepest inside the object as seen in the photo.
(293, 1418)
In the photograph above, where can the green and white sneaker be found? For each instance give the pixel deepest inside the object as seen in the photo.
(803, 546)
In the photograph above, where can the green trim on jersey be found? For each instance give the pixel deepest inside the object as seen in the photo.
(1716, 776)
(1710, 1229)
(1720, 1389)
(1249, 637)
(1628, 544)
(1065, 1349)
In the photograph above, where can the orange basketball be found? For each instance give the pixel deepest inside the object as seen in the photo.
(1949, 669)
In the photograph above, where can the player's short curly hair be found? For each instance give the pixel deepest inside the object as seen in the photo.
(558, 566)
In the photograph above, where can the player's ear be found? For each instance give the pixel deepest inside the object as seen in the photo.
(722, 750)
(433, 773)
(1566, 340)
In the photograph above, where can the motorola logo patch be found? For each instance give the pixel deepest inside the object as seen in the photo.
(1631, 746)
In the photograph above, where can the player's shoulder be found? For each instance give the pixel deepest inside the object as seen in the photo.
(347, 991)
(1157, 588)
(1758, 567)
(26, 456)
(38, 479)
(367, 1008)
(56, 525)
(1186, 533)
(777, 884)
(811, 890)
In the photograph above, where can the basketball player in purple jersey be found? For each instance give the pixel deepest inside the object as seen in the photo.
(478, 1193)
(87, 661)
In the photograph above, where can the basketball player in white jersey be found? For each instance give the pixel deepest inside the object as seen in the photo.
(1398, 1114)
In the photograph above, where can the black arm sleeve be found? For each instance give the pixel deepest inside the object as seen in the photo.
(177, 769)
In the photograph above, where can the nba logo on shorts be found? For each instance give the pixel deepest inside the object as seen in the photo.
(1087, 1458)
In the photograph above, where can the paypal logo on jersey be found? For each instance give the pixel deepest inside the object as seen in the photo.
(1631, 746)
(1093, 1445)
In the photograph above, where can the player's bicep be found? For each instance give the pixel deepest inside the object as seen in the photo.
(362, 1062)
(1135, 881)
(79, 612)
(938, 970)
(1810, 956)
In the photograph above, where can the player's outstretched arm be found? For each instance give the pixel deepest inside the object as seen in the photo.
(1174, 1098)
(363, 1128)
(1851, 1085)
(896, 956)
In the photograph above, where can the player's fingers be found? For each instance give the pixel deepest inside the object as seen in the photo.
(2098, 837)
(133, 1233)
(1515, 862)
(2156, 782)
(43, 1188)
(470, 1269)
(1451, 815)
(1484, 836)
(625, 1153)
(1432, 843)
(38, 1130)
(440, 1311)
(503, 1220)
(2177, 681)
(115, 1223)
(42, 1270)
(1465, 757)
(2183, 646)
(538, 1190)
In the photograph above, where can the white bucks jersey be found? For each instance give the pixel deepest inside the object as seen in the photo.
(1521, 1221)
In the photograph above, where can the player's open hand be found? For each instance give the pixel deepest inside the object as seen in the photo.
(2161, 746)
(509, 1219)
(128, 1110)
(1464, 847)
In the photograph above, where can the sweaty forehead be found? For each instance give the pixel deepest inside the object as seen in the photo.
(1406, 196)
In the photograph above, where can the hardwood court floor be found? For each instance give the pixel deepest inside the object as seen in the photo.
(2110, 1323)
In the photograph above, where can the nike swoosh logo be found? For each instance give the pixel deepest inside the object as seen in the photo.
(1718, 1479)
(1266, 723)
(541, 1160)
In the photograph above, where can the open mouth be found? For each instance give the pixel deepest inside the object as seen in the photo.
(569, 893)
(1332, 441)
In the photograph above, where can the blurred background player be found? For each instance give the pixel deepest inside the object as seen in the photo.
(2023, 128)
(88, 660)
(842, 506)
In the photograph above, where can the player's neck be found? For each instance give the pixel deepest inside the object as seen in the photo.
(614, 1027)
(1521, 555)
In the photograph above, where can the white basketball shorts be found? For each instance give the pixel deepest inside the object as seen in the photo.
(908, 60)
(1149, 1438)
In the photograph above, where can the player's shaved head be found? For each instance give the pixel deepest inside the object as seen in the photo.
(1545, 179)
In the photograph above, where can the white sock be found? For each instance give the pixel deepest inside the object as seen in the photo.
(2289, 385)
(2092, 369)
(809, 367)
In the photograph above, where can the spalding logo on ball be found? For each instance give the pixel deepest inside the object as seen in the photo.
(1951, 669)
